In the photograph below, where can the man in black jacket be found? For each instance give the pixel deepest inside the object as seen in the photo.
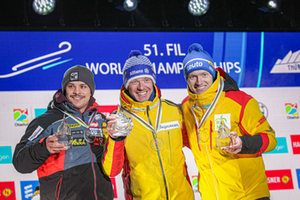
(68, 171)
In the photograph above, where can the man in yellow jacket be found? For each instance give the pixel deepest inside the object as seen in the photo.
(151, 156)
(237, 171)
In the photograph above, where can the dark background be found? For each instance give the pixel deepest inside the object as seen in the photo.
(151, 15)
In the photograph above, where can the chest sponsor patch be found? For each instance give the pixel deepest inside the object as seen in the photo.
(226, 118)
(76, 125)
(79, 142)
(169, 125)
(36, 133)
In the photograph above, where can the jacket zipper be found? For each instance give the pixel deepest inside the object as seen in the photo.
(157, 150)
(208, 156)
(169, 136)
(92, 165)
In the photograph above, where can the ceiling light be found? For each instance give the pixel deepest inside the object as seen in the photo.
(267, 5)
(125, 5)
(198, 7)
(43, 7)
(130, 5)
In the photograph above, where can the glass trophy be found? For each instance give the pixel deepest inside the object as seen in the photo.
(64, 134)
(124, 124)
(224, 139)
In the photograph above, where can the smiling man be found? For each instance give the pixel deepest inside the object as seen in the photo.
(151, 156)
(67, 173)
(231, 172)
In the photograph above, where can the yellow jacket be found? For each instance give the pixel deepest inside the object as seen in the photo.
(222, 175)
(148, 173)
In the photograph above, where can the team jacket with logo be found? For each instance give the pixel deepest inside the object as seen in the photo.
(72, 174)
(151, 170)
(222, 175)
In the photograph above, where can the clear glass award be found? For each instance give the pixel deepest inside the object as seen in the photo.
(123, 124)
(64, 134)
(224, 139)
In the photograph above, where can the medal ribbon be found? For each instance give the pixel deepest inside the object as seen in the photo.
(212, 105)
(143, 122)
(80, 121)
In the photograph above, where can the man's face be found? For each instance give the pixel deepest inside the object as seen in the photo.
(141, 89)
(199, 81)
(78, 93)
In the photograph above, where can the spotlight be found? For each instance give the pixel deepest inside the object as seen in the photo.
(130, 5)
(198, 7)
(43, 7)
(127, 5)
(267, 5)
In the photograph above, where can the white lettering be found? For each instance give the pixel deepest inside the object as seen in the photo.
(171, 69)
(4, 157)
(136, 71)
(296, 144)
(228, 66)
(107, 68)
(113, 67)
(161, 68)
(169, 49)
(274, 179)
(92, 67)
(179, 66)
(279, 147)
(236, 65)
(179, 51)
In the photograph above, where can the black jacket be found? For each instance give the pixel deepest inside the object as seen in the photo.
(72, 174)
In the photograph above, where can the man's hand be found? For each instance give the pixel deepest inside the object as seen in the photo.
(234, 149)
(53, 146)
(110, 120)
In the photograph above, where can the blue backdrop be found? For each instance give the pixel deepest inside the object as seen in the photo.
(37, 60)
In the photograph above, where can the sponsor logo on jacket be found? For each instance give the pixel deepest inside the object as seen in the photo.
(79, 142)
(169, 125)
(226, 118)
(94, 124)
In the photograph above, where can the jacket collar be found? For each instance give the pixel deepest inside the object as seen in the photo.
(130, 104)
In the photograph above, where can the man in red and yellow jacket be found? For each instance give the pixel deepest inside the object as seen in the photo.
(151, 156)
(236, 171)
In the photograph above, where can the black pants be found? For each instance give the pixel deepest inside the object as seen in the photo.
(264, 198)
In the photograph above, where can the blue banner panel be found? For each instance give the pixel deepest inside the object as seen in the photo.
(38, 60)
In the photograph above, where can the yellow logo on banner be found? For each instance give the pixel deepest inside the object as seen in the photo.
(7, 192)
(285, 179)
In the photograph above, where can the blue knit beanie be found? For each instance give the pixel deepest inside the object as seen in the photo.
(137, 66)
(197, 59)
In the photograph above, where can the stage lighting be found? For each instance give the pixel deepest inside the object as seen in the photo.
(267, 5)
(43, 7)
(130, 5)
(125, 5)
(198, 7)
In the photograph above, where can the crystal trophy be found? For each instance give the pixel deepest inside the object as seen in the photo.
(64, 134)
(224, 139)
(123, 124)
